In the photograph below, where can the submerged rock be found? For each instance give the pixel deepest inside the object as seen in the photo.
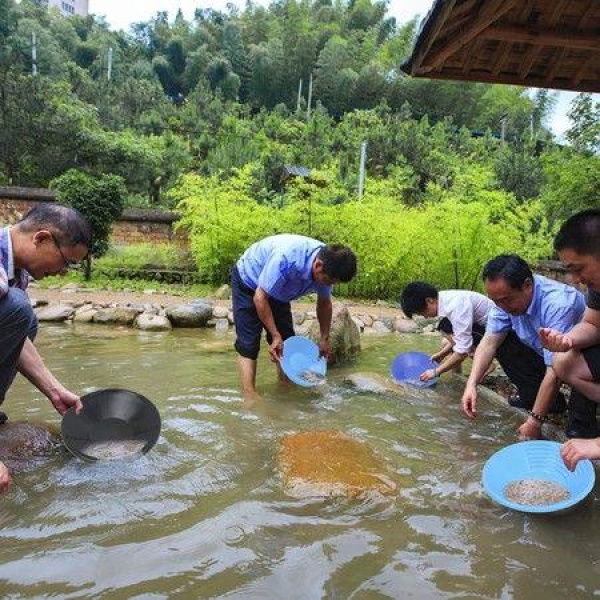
(22, 440)
(331, 463)
(371, 382)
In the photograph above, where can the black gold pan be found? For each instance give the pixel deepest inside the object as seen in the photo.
(114, 424)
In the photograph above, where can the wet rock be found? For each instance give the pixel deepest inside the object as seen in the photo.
(37, 303)
(221, 325)
(220, 312)
(136, 306)
(405, 326)
(116, 315)
(22, 440)
(299, 317)
(371, 382)
(85, 314)
(196, 314)
(223, 293)
(344, 336)
(366, 319)
(382, 326)
(151, 322)
(331, 463)
(55, 312)
(359, 324)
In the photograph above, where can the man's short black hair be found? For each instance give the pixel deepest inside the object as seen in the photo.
(339, 262)
(580, 233)
(511, 267)
(69, 226)
(414, 297)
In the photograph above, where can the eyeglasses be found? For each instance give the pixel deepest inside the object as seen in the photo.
(69, 264)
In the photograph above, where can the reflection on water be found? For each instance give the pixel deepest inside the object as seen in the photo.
(204, 514)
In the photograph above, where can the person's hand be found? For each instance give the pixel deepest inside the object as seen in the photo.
(469, 401)
(62, 399)
(325, 348)
(276, 348)
(435, 357)
(530, 430)
(5, 478)
(576, 449)
(427, 375)
(555, 341)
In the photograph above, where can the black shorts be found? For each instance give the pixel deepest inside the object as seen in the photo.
(477, 331)
(592, 358)
(248, 326)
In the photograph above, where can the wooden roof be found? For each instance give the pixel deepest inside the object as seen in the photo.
(538, 43)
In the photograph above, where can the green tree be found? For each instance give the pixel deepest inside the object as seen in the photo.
(99, 199)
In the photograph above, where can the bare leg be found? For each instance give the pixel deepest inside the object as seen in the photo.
(247, 369)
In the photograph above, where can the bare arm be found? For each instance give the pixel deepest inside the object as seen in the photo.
(32, 366)
(584, 334)
(532, 428)
(481, 361)
(324, 314)
(265, 314)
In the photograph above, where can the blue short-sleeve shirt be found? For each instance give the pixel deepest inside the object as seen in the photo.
(282, 266)
(9, 276)
(554, 305)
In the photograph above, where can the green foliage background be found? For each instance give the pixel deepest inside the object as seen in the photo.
(205, 115)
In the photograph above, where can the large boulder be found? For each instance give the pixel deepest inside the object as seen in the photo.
(344, 336)
(331, 463)
(85, 314)
(116, 316)
(55, 312)
(194, 314)
(151, 322)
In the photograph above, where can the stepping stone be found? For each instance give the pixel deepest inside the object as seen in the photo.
(331, 463)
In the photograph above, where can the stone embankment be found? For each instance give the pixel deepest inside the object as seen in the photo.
(155, 313)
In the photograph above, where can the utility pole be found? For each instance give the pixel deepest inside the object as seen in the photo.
(109, 67)
(503, 122)
(309, 97)
(34, 68)
(299, 97)
(361, 171)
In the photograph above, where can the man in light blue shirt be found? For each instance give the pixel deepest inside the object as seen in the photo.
(266, 278)
(525, 303)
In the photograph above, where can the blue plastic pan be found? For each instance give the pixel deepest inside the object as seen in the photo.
(408, 366)
(539, 459)
(302, 363)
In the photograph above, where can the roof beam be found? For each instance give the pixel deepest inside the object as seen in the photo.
(537, 36)
(591, 59)
(439, 23)
(592, 85)
(488, 14)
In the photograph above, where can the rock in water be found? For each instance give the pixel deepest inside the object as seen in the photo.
(20, 440)
(331, 463)
(344, 336)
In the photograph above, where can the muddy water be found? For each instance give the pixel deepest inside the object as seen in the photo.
(204, 514)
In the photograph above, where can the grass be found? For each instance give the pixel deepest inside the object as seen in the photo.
(101, 282)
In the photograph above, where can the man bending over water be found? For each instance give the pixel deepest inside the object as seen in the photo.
(48, 240)
(268, 276)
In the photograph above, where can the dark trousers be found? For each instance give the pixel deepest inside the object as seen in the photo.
(17, 322)
(523, 366)
(248, 326)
